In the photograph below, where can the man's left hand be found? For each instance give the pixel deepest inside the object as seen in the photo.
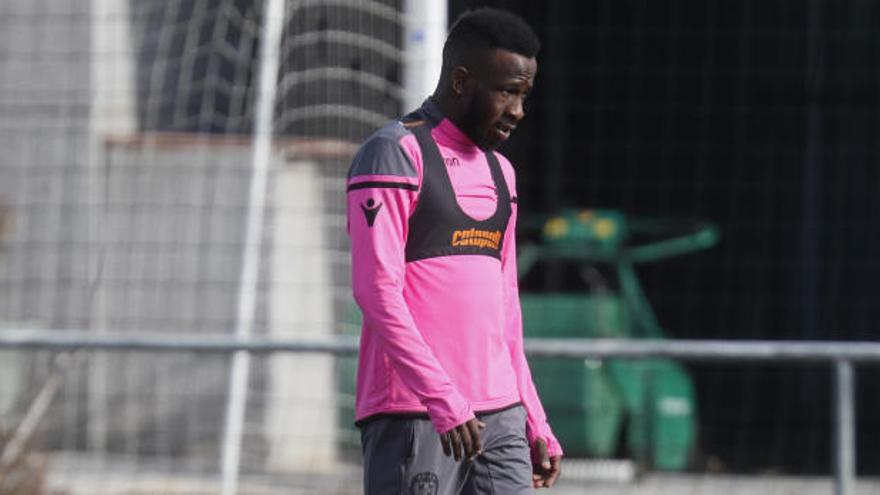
(545, 472)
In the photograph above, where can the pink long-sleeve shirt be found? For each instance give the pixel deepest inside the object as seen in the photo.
(441, 335)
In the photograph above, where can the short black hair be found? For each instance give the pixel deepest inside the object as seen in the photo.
(488, 28)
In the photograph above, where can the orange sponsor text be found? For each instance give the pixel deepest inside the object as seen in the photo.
(479, 238)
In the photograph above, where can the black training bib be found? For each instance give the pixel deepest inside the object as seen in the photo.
(438, 226)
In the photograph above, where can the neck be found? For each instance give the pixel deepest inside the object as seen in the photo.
(449, 106)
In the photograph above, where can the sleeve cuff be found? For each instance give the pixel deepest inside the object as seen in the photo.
(451, 413)
(553, 446)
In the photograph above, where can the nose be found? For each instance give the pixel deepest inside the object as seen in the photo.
(516, 109)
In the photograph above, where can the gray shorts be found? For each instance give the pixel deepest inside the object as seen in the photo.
(404, 456)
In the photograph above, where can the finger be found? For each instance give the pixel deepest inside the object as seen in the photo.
(537, 481)
(455, 440)
(481, 424)
(555, 471)
(542, 454)
(466, 441)
(475, 436)
(444, 440)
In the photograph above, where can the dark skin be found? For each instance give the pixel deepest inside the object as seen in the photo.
(483, 95)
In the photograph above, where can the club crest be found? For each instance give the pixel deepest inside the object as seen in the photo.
(424, 484)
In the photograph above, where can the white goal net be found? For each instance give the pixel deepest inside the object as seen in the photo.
(127, 130)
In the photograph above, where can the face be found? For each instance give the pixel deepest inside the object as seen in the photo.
(496, 91)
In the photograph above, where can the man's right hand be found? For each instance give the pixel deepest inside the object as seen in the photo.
(463, 441)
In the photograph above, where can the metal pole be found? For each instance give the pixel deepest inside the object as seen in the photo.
(844, 428)
(688, 350)
(273, 24)
(16, 445)
(424, 35)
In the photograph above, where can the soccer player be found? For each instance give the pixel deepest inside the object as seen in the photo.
(445, 400)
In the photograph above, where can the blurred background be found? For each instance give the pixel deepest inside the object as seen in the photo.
(142, 190)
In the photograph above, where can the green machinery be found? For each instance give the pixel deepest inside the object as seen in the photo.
(646, 406)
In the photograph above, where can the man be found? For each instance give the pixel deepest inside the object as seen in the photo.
(445, 399)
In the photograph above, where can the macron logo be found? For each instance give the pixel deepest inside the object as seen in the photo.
(371, 209)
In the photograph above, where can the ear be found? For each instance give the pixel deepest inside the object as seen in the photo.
(461, 80)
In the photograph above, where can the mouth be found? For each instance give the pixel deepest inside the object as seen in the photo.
(504, 129)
